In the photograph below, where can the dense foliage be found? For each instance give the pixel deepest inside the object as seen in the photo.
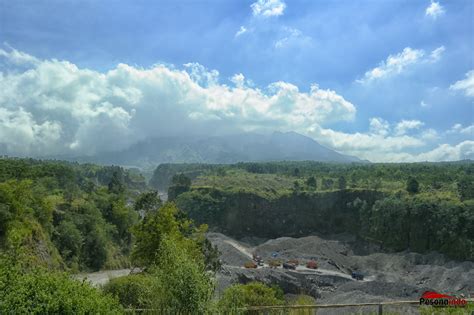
(40, 291)
(421, 207)
(238, 296)
(65, 214)
(172, 254)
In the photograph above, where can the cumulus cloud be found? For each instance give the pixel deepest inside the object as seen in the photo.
(267, 8)
(379, 126)
(396, 64)
(55, 107)
(434, 10)
(405, 125)
(459, 129)
(466, 85)
(385, 146)
(404, 141)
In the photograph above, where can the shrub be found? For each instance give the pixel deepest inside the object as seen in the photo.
(39, 291)
(250, 294)
(133, 291)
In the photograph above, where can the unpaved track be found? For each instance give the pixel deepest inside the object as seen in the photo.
(101, 277)
(247, 251)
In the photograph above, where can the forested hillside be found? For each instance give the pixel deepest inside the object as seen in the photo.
(421, 207)
(67, 215)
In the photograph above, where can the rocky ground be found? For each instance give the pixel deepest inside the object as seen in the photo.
(388, 276)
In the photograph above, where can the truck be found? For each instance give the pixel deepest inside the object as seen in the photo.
(312, 264)
(289, 265)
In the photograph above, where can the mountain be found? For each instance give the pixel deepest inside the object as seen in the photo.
(243, 147)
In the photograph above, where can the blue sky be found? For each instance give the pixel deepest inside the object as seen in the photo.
(383, 80)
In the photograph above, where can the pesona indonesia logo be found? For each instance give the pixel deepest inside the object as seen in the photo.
(437, 299)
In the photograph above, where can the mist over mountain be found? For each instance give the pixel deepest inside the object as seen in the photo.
(243, 147)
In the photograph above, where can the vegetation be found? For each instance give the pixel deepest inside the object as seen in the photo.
(40, 291)
(58, 216)
(422, 207)
(250, 294)
(67, 215)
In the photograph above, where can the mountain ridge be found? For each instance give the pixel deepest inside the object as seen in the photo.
(244, 147)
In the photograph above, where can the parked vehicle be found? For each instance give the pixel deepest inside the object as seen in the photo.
(312, 264)
(250, 264)
(357, 275)
(288, 265)
(274, 263)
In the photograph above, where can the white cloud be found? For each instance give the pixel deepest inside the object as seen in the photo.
(383, 147)
(424, 104)
(241, 31)
(405, 125)
(396, 64)
(267, 8)
(446, 152)
(379, 126)
(17, 57)
(466, 85)
(434, 10)
(385, 142)
(55, 107)
(291, 36)
(430, 135)
(436, 54)
(459, 129)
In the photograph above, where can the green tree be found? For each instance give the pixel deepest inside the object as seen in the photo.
(150, 232)
(186, 287)
(147, 202)
(116, 183)
(296, 186)
(341, 183)
(327, 183)
(465, 187)
(412, 186)
(311, 182)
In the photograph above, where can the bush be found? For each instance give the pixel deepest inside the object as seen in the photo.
(133, 291)
(39, 291)
(250, 294)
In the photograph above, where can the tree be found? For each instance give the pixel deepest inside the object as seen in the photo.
(147, 202)
(327, 183)
(116, 184)
(466, 187)
(296, 186)
(413, 186)
(150, 232)
(185, 285)
(311, 182)
(296, 172)
(342, 183)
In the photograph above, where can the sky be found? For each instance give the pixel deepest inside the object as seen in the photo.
(387, 81)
